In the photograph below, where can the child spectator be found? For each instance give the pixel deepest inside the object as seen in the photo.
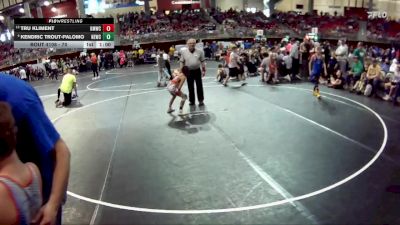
(20, 184)
(338, 81)
(359, 86)
(393, 86)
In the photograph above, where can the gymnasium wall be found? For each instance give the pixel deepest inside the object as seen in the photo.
(392, 7)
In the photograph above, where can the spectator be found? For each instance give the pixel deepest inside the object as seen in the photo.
(385, 65)
(332, 65)
(294, 53)
(20, 184)
(356, 70)
(22, 74)
(327, 51)
(75, 64)
(116, 58)
(393, 86)
(207, 51)
(374, 76)
(172, 52)
(360, 52)
(122, 58)
(305, 48)
(359, 86)
(102, 60)
(167, 61)
(393, 66)
(338, 81)
(287, 59)
(54, 69)
(341, 55)
(94, 66)
(161, 63)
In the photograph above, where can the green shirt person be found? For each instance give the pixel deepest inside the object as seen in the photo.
(358, 68)
(360, 52)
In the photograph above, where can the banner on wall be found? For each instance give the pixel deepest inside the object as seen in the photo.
(185, 2)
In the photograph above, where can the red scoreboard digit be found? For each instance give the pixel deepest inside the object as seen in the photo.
(108, 27)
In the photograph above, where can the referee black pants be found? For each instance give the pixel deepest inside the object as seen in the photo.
(195, 76)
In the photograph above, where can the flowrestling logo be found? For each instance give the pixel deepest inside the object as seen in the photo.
(377, 15)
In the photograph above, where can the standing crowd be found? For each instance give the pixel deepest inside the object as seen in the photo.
(371, 71)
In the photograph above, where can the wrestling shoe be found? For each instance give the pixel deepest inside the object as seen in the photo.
(181, 113)
(318, 95)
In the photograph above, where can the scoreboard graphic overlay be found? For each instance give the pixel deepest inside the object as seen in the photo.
(82, 33)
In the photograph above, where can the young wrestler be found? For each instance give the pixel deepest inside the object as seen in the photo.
(174, 87)
(317, 67)
(273, 69)
(221, 73)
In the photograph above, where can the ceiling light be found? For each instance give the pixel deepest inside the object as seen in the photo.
(21, 10)
(1, 18)
(46, 3)
(54, 9)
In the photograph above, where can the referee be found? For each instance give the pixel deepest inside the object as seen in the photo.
(194, 58)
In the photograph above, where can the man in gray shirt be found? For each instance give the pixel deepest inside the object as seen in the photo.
(194, 59)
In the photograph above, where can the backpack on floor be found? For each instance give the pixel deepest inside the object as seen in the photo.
(368, 90)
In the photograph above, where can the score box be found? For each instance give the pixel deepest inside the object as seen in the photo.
(108, 27)
(108, 36)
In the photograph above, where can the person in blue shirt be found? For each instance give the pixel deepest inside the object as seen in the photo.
(385, 65)
(38, 142)
(317, 67)
(247, 45)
